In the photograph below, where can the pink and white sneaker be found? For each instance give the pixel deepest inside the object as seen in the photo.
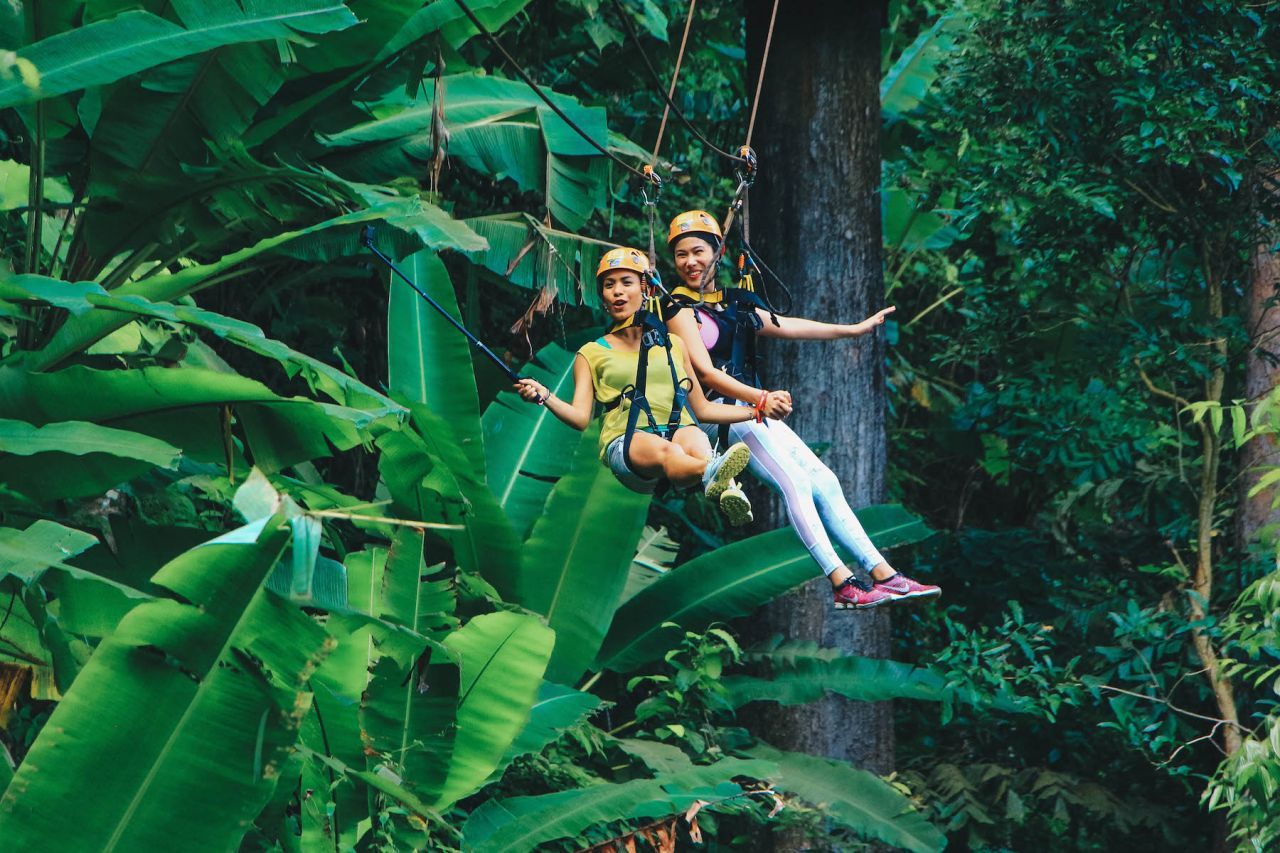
(900, 587)
(851, 597)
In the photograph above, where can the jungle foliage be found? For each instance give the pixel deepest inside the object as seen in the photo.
(289, 567)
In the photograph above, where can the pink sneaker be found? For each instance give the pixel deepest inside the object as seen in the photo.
(899, 587)
(850, 597)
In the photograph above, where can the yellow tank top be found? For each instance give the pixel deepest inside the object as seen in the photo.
(612, 370)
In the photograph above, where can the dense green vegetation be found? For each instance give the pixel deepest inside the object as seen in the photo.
(288, 567)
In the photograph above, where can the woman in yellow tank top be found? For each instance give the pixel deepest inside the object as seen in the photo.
(606, 367)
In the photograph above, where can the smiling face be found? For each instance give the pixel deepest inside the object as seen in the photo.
(622, 293)
(693, 257)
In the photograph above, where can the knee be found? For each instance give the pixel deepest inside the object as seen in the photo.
(825, 482)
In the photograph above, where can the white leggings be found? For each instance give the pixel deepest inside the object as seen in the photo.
(815, 501)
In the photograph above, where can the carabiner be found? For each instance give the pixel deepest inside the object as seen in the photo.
(651, 177)
(748, 167)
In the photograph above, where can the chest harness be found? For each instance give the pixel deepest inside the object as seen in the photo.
(654, 334)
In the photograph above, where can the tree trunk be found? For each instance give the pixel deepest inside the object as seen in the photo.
(1262, 372)
(816, 222)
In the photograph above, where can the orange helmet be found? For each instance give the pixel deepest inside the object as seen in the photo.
(695, 223)
(624, 258)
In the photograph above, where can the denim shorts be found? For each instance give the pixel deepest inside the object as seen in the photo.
(617, 462)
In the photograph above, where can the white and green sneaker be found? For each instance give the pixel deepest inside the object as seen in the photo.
(723, 468)
(735, 506)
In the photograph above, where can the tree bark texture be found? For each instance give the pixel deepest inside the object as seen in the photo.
(815, 219)
(1262, 372)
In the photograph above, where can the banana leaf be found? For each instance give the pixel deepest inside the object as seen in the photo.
(449, 20)
(575, 564)
(523, 823)
(497, 127)
(729, 582)
(105, 51)
(862, 801)
(181, 406)
(79, 438)
(557, 709)
(429, 479)
(802, 672)
(907, 82)
(503, 656)
(655, 552)
(428, 360)
(220, 671)
(86, 296)
(538, 257)
(527, 448)
(430, 226)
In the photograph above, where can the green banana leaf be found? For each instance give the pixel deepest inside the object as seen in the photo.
(181, 406)
(429, 225)
(907, 82)
(497, 127)
(79, 438)
(25, 554)
(527, 448)
(908, 227)
(429, 479)
(428, 360)
(522, 823)
(105, 51)
(862, 801)
(557, 709)
(729, 582)
(453, 26)
(83, 297)
(575, 564)
(503, 656)
(538, 257)
(655, 552)
(188, 708)
(803, 672)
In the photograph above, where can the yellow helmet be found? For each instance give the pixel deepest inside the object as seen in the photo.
(624, 258)
(695, 222)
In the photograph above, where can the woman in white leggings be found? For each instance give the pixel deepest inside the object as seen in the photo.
(717, 332)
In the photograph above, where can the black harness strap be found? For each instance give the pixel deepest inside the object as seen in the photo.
(654, 335)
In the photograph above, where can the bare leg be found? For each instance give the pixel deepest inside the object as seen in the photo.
(656, 457)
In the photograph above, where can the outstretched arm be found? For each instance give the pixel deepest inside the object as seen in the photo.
(683, 324)
(800, 329)
(576, 414)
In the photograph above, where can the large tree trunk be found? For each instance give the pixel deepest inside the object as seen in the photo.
(816, 222)
(1262, 372)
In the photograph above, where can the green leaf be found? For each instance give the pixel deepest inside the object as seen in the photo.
(27, 553)
(105, 51)
(220, 675)
(655, 552)
(574, 566)
(557, 708)
(528, 448)
(532, 255)
(503, 656)
(428, 360)
(522, 823)
(729, 582)
(79, 438)
(803, 672)
(858, 799)
(907, 82)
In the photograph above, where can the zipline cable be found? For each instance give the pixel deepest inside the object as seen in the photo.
(671, 104)
(675, 75)
(764, 61)
(524, 75)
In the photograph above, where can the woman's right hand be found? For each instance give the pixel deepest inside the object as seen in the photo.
(777, 405)
(531, 391)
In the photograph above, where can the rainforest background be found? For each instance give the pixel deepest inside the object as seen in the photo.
(284, 566)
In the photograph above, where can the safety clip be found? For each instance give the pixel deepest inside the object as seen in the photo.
(748, 167)
(654, 180)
